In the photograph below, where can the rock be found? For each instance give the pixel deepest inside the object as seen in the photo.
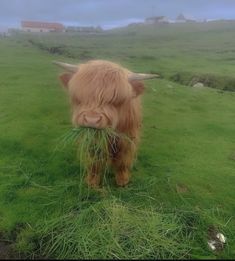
(211, 244)
(198, 85)
(216, 240)
(221, 237)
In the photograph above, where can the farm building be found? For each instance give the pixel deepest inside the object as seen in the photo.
(4, 32)
(156, 20)
(183, 19)
(33, 26)
(84, 29)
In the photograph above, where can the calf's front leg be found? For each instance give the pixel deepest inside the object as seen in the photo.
(122, 163)
(93, 177)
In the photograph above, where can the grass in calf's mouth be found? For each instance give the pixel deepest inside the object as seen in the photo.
(94, 146)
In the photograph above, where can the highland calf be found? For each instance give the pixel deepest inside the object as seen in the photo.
(104, 94)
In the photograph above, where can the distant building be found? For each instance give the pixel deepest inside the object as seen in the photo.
(84, 29)
(180, 19)
(4, 32)
(135, 24)
(33, 26)
(183, 19)
(156, 20)
(13, 31)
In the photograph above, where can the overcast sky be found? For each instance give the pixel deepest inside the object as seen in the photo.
(109, 13)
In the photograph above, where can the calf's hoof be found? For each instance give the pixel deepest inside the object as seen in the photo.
(93, 180)
(122, 179)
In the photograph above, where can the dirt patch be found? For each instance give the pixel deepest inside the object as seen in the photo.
(181, 188)
(6, 250)
(7, 244)
(58, 49)
(232, 156)
(64, 50)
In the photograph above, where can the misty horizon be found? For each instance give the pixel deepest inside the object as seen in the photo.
(110, 14)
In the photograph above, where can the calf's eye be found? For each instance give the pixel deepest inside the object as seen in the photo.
(76, 101)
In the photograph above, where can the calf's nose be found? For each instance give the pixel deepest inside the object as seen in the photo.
(92, 121)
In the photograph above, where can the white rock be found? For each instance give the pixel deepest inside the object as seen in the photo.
(211, 244)
(221, 237)
(198, 85)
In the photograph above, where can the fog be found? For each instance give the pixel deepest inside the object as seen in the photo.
(110, 13)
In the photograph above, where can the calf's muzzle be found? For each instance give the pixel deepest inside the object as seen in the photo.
(91, 119)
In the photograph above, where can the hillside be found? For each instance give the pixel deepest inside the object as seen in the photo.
(182, 188)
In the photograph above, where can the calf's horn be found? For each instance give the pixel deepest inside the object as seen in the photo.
(67, 66)
(134, 76)
(142, 76)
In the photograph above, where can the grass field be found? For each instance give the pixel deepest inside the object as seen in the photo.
(183, 180)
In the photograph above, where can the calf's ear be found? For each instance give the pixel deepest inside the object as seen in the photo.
(138, 87)
(65, 78)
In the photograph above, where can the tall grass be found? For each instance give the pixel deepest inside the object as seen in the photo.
(107, 229)
(112, 230)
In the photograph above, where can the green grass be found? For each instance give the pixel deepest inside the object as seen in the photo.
(184, 175)
(112, 230)
(176, 49)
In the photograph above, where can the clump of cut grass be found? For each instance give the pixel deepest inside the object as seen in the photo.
(94, 146)
(112, 230)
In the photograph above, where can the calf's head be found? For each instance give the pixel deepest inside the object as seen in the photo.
(98, 89)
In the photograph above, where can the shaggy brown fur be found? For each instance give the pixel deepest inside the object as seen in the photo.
(102, 96)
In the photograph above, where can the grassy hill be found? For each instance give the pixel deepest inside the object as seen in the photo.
(182, 188)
